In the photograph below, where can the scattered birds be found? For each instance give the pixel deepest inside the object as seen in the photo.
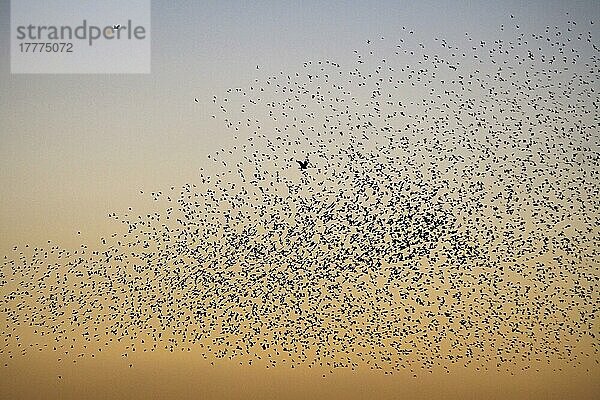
(450, 218)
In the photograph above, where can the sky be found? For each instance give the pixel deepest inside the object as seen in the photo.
(77, 147)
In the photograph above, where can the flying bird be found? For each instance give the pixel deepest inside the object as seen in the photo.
(303, 164)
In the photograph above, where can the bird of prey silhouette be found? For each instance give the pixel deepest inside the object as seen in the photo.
(303, 164)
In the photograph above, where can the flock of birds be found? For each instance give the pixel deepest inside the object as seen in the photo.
(428, 205)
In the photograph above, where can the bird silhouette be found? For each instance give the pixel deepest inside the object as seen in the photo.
(303, 164)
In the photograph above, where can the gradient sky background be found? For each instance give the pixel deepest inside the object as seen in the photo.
(75, 147)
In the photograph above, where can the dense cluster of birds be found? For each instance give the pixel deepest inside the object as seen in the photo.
(427, 205)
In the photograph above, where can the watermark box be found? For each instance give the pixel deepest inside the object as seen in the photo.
(80, 36)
